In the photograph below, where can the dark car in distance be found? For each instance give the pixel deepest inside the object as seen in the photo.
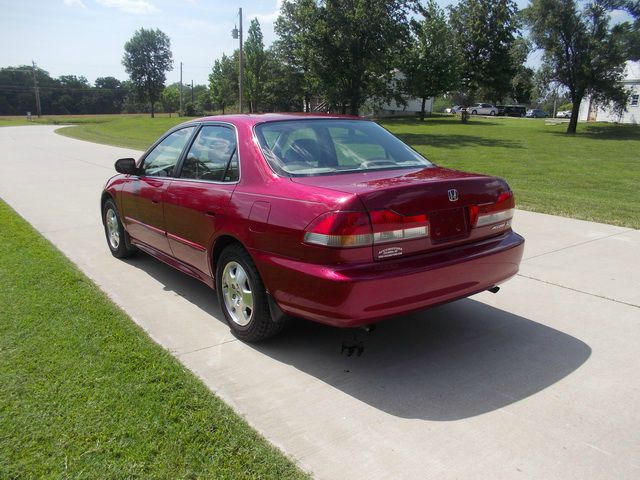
(536, 113)
(328, 218)
(512, 110)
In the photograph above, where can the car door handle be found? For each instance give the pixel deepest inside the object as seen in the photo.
(209, 213)
(155, 200)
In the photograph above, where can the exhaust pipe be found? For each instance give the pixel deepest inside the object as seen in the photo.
(494, 289)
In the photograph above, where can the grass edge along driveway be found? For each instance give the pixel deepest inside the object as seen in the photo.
(85, 393)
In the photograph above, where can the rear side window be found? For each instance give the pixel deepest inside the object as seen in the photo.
(321, 147)
(212, 156)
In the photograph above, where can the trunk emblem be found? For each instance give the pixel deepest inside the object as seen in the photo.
(453, 195)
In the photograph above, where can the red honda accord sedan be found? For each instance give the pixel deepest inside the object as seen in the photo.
(328, 218)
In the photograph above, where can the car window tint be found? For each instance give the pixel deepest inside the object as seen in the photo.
(163, 158)
(315, 147)
(210, 154)
(354, 147)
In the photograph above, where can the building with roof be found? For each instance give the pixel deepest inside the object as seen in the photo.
(590, 111)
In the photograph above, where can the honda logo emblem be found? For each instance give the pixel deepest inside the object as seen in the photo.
(453, 195)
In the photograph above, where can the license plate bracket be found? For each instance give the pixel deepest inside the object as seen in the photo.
(449, 224)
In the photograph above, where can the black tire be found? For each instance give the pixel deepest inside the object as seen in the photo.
(492, 113)
(120, 247)
(260, 324)
(474, 112)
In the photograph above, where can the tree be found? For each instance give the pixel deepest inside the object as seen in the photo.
(485, 30)
(223, 82)
(170, 99)
(350, 46)
(284, 86)
(147, 58)
(109, 95)
(522, 81)
(630, 32)
(293, 27)
(432, 62)
(255, 58)
(581, 51)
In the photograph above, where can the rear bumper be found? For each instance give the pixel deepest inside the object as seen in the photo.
(349, 296)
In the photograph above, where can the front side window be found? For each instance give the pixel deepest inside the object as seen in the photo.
(321, 147)
(163, 158)
(213, 155)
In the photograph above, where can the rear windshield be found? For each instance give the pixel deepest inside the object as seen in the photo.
(324, 147)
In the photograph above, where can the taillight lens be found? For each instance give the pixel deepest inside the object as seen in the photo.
(389, 226)
(359, 229)
(501, 211)
(340, 229)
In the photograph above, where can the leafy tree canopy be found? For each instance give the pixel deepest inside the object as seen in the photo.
(432, 61)
(486, 32)
(147, 59)
(581, 51)
(349, 46)
(223, 82)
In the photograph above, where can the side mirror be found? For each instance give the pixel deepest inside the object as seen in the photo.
(126, 166)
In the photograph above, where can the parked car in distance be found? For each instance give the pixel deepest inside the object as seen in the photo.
(511, 110)
(482, 109)
(454, 109)
(328, 218)
(563, 114)
(536, 113)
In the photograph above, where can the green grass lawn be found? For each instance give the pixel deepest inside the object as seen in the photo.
(84, 393)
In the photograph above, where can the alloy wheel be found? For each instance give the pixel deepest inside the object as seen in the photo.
(237, 293)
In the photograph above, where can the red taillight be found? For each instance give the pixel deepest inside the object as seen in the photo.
(389, 226)
(488, 214)
(340, 229)
(359, 229)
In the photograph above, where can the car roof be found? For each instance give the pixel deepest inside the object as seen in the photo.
(252, 119)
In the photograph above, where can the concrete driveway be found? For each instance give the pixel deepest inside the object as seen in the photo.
(538, 381)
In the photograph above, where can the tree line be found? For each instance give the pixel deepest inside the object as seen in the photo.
(350, 55)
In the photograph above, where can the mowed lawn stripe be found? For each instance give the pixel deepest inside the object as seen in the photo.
(84, 393)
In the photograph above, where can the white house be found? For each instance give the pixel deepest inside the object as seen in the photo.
(592, 112)
(414, 105)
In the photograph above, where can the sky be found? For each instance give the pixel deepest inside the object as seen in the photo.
(87, 37)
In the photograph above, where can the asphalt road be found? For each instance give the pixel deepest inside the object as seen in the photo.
(538, 381)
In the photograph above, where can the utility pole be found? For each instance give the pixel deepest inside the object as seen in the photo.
(181, 88)
(238, 34)
(241, 61)
(191, 91)
(37, 89)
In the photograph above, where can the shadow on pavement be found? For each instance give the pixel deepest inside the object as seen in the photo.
(447, 363)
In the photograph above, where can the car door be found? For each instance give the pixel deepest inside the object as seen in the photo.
(142, 196)
(197, 200)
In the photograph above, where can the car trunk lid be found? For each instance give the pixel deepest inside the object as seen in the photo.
(448, 202)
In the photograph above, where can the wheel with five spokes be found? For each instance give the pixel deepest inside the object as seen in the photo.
(243, 297)
(117, 237)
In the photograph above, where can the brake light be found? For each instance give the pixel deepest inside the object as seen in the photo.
(359, 229)
(389, 226)
(488, 214)
(340, 229)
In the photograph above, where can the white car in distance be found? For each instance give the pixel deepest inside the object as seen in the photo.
(483, 109)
